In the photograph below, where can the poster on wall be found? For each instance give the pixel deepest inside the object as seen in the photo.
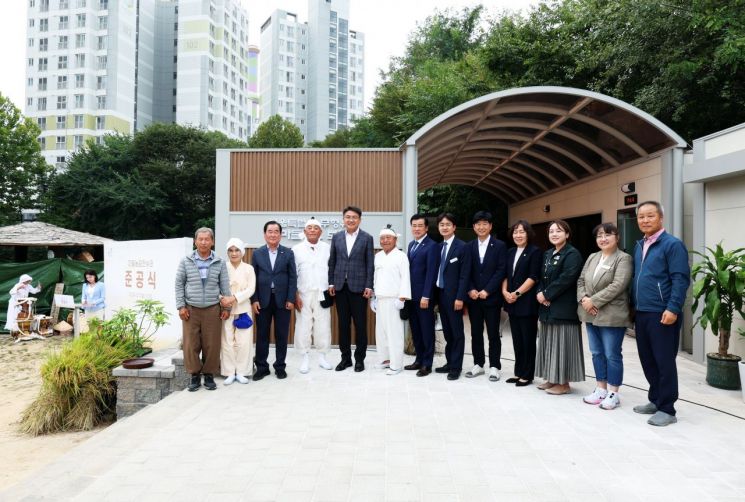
(146, 269)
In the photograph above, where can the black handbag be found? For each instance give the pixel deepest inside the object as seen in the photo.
(406, 312)
(327, 301)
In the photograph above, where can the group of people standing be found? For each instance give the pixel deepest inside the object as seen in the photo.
(218, 302)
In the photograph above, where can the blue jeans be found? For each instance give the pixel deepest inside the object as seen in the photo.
(605, 346)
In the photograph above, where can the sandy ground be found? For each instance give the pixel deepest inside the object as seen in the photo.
(19, 385)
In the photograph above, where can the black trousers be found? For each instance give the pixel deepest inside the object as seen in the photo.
(423, 332)
(452, 328)
(351, 307)
(281, 317)
(657, 344)
(479, 313)
(524, 334)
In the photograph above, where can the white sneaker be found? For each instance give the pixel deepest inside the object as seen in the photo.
(475, 371)
(323, 363)
(611, 401)
(596, 397)
(241, 379)
(393, 372)
(494, 375)
(229, 380)
(305, 365)
(383, 365)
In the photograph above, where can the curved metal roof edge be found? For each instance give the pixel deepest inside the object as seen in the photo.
(516, 91)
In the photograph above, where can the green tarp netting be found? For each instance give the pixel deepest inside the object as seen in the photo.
(49, 273)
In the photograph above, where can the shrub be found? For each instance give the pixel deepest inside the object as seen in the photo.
(78, 390)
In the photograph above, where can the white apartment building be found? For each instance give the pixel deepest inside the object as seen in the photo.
(96, 67)
(213, 70)
(312, 72)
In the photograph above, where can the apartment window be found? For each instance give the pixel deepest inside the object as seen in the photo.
(332, 107)
(332, 31)
(29, 82)
(62, 63)
(43, 5)
(210, 102)
(101, 43)
(289, 107)
(80, 3)
(60, 122)
(41, 122)
(78, 120)
(62, 43)
(79, 60)
(64, 22)
(42, 84)
(332, 123)
(79, 101)
(101, 102)
(62, 82)
(41, 104)
(43, 44)
(79, 40)
(30, 62)
(101, 82)
(212, 66)
(103, 4)
(43, 64)
(78, 140)
(60, 164)
(290, 31)
(289, 91)
(79, 81)
(103, 22)
(64, 4)
(333, 17)
(81, 21)
(290, 62)
(102, 62)
(44, 24)
(30, 23)
(61, 102)
(61, 144)
(225, 105)
(100, 121)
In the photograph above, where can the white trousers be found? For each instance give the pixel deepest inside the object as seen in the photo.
(389, 333)
(312, 320)
(235, 349)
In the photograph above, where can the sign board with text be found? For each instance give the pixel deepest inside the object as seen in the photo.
(145, 270)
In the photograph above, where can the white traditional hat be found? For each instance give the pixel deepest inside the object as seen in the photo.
(313, 221)
(235, 241)
(388, 230)
(25, 278)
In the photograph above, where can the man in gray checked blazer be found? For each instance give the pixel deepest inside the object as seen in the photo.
(351, 268)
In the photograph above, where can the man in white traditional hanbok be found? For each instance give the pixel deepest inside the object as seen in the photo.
(313, 312)
(392, 289)
(18, 292)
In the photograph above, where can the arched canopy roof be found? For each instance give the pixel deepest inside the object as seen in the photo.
(520, 143)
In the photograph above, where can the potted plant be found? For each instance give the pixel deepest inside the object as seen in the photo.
(719, 284)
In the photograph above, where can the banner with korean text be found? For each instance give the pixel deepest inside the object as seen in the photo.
(145, 270)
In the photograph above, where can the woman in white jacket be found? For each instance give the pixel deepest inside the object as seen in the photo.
(237, 335)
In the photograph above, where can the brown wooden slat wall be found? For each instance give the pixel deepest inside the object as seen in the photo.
(334, 320)
(315, 180)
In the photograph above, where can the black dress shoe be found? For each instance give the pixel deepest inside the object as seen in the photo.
(260, 374)
(525, 383)
(209, 382)
(359, 366)
(281, 374)
(454, 375)
(195, 383)
(512, 380)
(443, 369)
(413, 366)
(424, 371)
(344, 364)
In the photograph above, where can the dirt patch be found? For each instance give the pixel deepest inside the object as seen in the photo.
(19, 386)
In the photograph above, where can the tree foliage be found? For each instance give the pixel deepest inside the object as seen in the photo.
(276, 132)
(159, 183)
(23, 171)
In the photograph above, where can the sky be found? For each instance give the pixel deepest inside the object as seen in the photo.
(386, 24)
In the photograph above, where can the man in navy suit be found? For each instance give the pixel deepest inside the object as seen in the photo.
(488, 268)
(452, 284)
(424, 259)
(276, 285)
(351, 270)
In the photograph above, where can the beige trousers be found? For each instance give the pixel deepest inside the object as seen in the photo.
(235, 350)
(389, 333)
(312, 319)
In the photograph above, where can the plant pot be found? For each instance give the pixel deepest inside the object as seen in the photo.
(741, 366)
(722, 372)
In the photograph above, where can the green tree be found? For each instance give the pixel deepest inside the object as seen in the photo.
(158, 183)
(23, 171)
(276, 132)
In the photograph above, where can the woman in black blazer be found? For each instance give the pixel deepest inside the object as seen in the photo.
(523, 271)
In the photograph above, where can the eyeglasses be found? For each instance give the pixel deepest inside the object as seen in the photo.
(603, 236)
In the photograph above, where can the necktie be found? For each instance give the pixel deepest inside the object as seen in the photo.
(414, 248)
(443, 257)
